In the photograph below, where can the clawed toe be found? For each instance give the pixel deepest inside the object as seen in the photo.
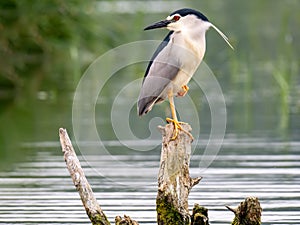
(178, 127)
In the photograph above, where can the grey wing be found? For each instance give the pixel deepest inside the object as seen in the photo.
(162, 71)
(162, 45)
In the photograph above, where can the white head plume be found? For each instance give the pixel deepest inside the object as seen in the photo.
(222, 35)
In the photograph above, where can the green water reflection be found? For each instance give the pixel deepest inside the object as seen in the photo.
(46, 46)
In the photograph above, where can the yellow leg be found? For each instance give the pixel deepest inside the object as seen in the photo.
(172, 106)
(174, 119)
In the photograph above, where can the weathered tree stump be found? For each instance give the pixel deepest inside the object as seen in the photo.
(174, 181)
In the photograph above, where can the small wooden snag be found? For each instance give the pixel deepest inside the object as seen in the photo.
(126, 221)
(200, 215)
(247, 213)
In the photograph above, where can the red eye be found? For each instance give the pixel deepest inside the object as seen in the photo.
(176, 18)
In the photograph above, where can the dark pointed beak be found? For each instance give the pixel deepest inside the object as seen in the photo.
(160, 24)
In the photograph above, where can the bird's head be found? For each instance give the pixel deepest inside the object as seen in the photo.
(187, 19)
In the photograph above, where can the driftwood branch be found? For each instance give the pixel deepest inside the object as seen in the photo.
(92, 208)
(83, 187)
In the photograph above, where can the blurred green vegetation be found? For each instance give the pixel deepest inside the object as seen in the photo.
(40, 41)
(45, 46)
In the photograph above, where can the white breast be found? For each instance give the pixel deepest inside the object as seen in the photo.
(190, 54)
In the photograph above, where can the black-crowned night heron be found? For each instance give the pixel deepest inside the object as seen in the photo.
(175, 60)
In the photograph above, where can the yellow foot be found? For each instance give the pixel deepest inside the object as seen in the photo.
(185, 89)
(178, 127)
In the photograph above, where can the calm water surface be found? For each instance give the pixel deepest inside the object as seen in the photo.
(39, 190)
